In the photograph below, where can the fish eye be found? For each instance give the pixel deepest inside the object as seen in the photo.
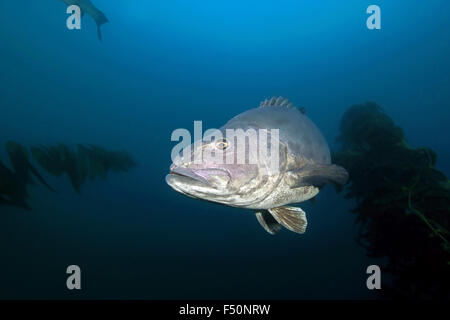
(222, 144)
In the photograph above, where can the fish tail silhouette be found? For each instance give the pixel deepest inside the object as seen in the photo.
(100, 19)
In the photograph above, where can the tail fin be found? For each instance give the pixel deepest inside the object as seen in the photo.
(100, 19)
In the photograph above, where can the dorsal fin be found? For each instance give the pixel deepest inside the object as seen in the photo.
(276, 102)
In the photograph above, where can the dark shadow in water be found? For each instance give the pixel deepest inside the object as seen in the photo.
(403, 203)
(78, 163)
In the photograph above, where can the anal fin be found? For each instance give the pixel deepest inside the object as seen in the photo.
(268, 222)
(292, 218)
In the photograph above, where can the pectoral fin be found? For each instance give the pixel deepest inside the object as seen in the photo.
(291, 218)
(268, 222)
(317, 175)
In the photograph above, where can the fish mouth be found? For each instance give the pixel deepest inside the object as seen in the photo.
(198, 183)
(187, 174)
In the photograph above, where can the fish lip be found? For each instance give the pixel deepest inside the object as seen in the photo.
(185, 172)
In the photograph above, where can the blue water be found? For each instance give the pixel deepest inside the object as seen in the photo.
(164, 64)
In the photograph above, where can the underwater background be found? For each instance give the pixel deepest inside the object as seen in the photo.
(162, 65)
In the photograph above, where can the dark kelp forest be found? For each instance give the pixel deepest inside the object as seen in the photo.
(78, 164)
(402, 203)
(401, 200)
